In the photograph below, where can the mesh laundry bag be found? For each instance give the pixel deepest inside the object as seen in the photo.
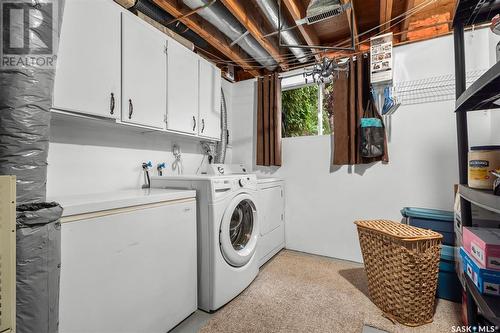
(402, 266)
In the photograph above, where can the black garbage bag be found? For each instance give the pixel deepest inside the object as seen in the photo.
(38, 246)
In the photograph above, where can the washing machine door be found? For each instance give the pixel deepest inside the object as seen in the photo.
(239, 231)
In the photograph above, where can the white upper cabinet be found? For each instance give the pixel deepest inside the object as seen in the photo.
(182, 89)
(88, 65)
(144, 73)
(112, 64)
(210, 100)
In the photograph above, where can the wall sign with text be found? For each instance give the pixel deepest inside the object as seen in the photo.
(381, 59)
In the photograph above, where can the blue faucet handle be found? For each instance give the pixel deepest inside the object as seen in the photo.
(147, 165)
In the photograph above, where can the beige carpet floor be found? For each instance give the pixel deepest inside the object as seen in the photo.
(297, 292)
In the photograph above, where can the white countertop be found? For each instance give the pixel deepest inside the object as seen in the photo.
(89, 203)
(264, 180)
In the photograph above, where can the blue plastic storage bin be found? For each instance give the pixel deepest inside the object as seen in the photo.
(449, 286)
(438, 220)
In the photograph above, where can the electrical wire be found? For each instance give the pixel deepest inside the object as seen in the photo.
(199, 167)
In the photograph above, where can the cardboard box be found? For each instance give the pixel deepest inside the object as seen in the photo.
(483, 244)
(487, 281)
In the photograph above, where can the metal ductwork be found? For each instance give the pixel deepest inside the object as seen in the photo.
(270, 10)
(147, 7)
(220, 17)
(320, 10)
(220, 150)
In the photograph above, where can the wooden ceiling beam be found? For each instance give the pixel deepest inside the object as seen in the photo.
(297, 11)
(208, 33)
(238, 11)
(385, 14)
(405, 24)
(353, 24)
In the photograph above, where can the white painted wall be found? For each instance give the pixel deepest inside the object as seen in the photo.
(92, 157)
(243, 114)
(495, 125)
(321, 204)
(495, 116)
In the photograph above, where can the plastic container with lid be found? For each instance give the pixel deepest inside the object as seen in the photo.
(449, 286)
(482, 160)
(438, 220)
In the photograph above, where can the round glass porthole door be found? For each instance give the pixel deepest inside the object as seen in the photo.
(239, 231)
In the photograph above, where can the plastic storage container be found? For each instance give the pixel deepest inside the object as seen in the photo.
(437, 220)
(449, 286)
(482, 160)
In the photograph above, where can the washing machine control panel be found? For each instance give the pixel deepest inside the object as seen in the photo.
(227, 185)
(250, 182)
(226, 169)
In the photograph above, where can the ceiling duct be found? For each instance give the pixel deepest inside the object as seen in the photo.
(222, 19)
(159, 15)
(320, 10)
(270, 10)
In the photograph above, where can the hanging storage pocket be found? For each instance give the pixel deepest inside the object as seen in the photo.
(372, 133)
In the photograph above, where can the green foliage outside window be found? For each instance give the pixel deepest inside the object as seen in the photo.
(327, 110)
(299, 107)
(300, 111)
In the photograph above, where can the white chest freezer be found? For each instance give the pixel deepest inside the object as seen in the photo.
(128, 261)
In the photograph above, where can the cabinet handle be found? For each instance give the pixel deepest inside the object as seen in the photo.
(194, 123)
(130, 109)
(112, 104)
(202, 125)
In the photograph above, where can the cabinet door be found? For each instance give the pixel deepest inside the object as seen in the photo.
(144, 73)
(271, 206)
(210, 85)
(88, 64)
(182, 89)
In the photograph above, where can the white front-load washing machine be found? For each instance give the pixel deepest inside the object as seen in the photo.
(227, 231)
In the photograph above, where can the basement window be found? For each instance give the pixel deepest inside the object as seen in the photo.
(305, 110)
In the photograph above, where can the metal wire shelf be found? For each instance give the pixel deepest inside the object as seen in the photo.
(428, 90)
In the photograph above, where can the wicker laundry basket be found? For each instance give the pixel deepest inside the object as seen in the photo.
(402, 266)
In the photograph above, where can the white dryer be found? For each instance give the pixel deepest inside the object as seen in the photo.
(228, 233)
(272, 218)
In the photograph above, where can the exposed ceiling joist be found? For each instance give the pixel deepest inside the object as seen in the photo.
(353, 25)
(209, 33)
(238, 11)
(298, 12)
(405, 24)
(452, 13)
(385, 14)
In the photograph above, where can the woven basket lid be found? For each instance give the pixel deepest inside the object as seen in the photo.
(398, 230)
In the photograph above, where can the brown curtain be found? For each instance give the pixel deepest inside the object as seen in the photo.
(269, 120)
(350, 98)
